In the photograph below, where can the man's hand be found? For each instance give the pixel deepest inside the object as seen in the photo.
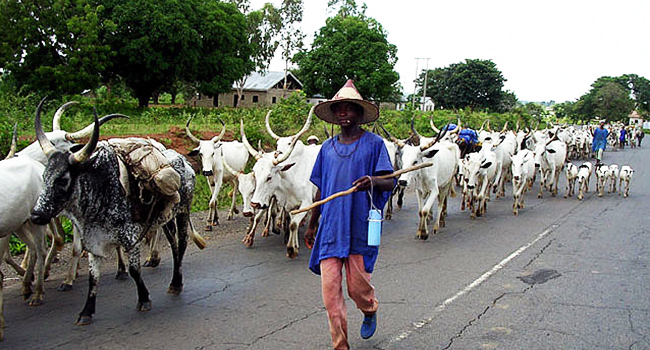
(363, 183)
(309, 237)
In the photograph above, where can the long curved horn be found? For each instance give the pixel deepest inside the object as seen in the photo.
(552, 139)
(244, 140)
(45, 144)
(488, 126)
(268, 126)
(438, 138)
(391, 137)
(56, 121)
(457, 129)
(415, 132)
(223, 132)
(505, 126)
(259, 147)
(14, 139)
(433, 126)
(482, 125)
(189, 133)
(87, 131)
(517, 127)
(295, 138)
(83, 154)
(229, 168)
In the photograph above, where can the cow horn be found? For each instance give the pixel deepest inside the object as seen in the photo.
(488, 126)
(438, 138)
(223, 132)
(56, 121)
(295, 138)
(83, 154)
(259, 146)
(413, 131)
(268, 126)
(391, 137)
(552, 138)
(228, 167)
(244, 140)
(46, 145)
(14, 139)
(433, 126)
(482, 125)
(87, 131)
(505, 127)
(517, 127)
(188, 132)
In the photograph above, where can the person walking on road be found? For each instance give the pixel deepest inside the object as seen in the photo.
(600, 141)
(621, 139)
(354, 157)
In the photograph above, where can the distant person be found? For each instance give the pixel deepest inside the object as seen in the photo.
(599, 142)
(354, 157)
(621, 138)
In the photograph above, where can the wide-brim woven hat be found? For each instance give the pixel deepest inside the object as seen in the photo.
(348, 93)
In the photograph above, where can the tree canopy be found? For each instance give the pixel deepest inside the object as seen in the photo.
(349, 46)
(475, 83)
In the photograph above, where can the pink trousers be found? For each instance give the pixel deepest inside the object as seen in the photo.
(359, 289)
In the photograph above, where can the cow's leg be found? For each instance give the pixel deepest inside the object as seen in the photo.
(177, 229)
(144, 303)
(439, 221)
(627, 188)
(121, 265)
(233, 203)
(271, 218)
(56, 230)
(389, 208)
(213, 215)
(250, 236)
(293, 244)
(154, 255)
(400, 197)
(74, 262)
(6, 256)
(34, 237)
(94, 266)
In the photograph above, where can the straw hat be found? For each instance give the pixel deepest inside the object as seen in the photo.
(348, 93)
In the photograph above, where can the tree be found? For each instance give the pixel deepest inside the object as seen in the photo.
(160, 42)
(349, 46)
(291, 37)
(474, 83)
(54, 47)
(613, 102)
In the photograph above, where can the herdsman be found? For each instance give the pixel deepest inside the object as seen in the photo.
(355, 157)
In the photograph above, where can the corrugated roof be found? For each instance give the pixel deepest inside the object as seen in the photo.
(264, 82)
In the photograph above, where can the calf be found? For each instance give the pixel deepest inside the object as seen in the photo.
(625, 175)
(523, 169)
(85, 186)
(571, 172)
(584, 174)
(602, 173)
(613, 177)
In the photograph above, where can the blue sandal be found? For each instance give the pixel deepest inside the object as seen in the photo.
(368, 326)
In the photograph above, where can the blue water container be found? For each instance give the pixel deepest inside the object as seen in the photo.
(374, 227)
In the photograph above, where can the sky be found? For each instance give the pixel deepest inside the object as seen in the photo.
(551, 50)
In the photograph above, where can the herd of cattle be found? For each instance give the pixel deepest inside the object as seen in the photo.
(111, 209)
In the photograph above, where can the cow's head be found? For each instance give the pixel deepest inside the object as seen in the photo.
(518, 164)
(63, 168)
(208, 150)
(477, 166)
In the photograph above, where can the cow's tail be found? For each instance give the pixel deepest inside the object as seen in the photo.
(195, 236)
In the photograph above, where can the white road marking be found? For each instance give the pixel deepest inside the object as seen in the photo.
(419, 324)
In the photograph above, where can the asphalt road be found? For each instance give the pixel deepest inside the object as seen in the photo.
(564, 274)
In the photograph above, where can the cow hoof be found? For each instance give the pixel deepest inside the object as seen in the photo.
(248, 242)
(64, 287)
(265, 233)
(121, 276)
(153, 262)
(208, 228)
(144, 305)
(27, 294)
(388, 217)
(176, 290)
(36, 301)
(600, 195)
(566, 196)
(84, 320)
(292, 253)
(424, 237)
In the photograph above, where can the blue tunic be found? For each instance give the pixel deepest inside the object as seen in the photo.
(343, 227)
(600, 139)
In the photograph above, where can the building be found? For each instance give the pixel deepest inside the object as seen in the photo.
(259, 89)
(635, 119)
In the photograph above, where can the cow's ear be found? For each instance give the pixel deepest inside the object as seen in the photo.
(550, 150)
(431, 153)
(193, 152)
(287, 167)
(486, 165)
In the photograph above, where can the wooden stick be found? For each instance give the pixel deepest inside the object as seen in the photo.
(354, 188)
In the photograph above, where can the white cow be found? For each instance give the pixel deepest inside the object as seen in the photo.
(571, 172)
(212, 153)
(285, 175)
(613, 177)
(549, 158)
(523, 170)
(481, 174)
(625, 175)
(431, 183)
(584, 174)
(602, 174)
(22, 180)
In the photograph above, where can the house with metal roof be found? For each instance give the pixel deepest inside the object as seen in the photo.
(259, 89)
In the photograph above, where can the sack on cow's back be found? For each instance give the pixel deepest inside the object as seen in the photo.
(148, 165)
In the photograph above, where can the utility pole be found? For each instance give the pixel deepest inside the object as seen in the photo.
(417, 60)
(424, 91)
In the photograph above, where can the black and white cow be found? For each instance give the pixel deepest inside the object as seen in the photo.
(85, 186)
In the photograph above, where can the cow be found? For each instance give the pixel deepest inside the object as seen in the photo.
(22, 180)
(549, 158)
(571, 173)
(285, 174)
(523, 170)
(431, 183)
(212, 153)
(602, 174)
(584, 174)
(481, 171)
(613, 177)
(85, 185)
(625, 175)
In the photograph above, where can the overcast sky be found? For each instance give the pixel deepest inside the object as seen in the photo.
(547, 50)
